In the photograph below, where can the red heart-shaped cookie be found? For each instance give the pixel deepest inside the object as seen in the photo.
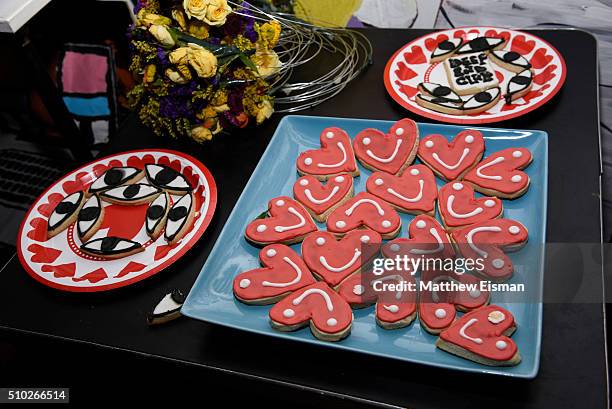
(483, 336)
(500, 173)
(329, 315)
(458, 206)
(288, 223)
(283, 271)
(320, 199)
(426, 237)
(365, 210)
(415, 191)
(334, 157)
(437, 308)
(391, 311)
(486, 241)
(389, 153)
(334, 260)
(451, 160)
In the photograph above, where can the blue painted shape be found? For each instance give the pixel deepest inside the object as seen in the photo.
(88, 107)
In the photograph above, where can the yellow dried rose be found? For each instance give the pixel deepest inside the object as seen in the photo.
(201, 134)
(179, 56)
(149, 73)
(267, 62)
(144, 18)
(198, 29)
(202, 61)
(216, 13)
(179, 17)
(162, 35)
(196, 8)
(175, 76)
(264, 111)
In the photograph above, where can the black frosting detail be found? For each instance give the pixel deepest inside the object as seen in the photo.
(483, 97)
(441, 91)
(65, 208)
(178, 296)
(113, 177)
(89, 213)
(155, 212)
(521, 80)
(108, 244)
(511, 56)
(131, 191)
(446, 45)
(167, 175)
(177, 213)
(173, 215)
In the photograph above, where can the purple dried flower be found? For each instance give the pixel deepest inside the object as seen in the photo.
(162, 56)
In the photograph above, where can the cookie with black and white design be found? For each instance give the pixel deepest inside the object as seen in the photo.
(156, 215)
(167, 179)
(481, 44)
(445, 49)
(180, 218)
(117, 176)
(510, 60)
(167, 309)
(482, 101)
(519, 86)
(90, 218)
(132, 195)
(65, 213)
(111, 247)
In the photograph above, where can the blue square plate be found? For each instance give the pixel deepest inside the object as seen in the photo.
(211, 298)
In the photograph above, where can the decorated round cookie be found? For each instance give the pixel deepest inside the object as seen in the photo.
(286, 221)
(365, 210)
(487, 241)
(415, 191)
(329, 315)
(390, 152)
(483, 336)
(426, 238)
(333, 158)
(320, 198)
(283, 271)
(334, 260)
(500, 173)
(437, 309)
(451, 160)
(458, 206)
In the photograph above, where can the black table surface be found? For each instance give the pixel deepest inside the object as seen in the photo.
(573, 364)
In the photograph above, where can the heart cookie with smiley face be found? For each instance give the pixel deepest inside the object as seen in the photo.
(500, 174)
(365, 211)
(391, 152)
(415, 191)
(283, 271)
(451, 160)
(483, 336)
(321, 199)
(330, 317)
(458, 207)
(286, 221)
(333, 158)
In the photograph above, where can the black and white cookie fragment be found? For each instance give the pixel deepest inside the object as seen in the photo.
(482, 101)
(510, 60)
(90, 218)
(156, 215)
(481, 44)
(519, 86)
(179, 220)
(114, 177)
(111, 247)
(442, 93)
(64, 214)
(168, 309)
(438, 104)
(167, 179)
(134, 194)
(444, 49)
